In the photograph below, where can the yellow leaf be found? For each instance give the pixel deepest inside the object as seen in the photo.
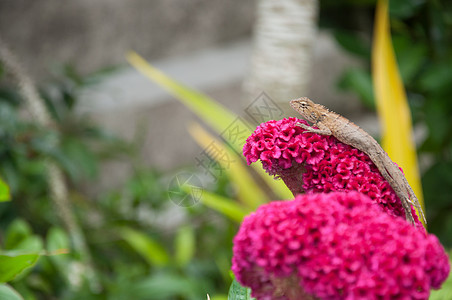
(211, 112)
(232, 164)
(392, 106)
(225, 206)
(151, 250)
(184, 245)
(5, 194)
(276, 185)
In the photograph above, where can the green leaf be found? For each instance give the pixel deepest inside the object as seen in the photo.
(30, 243)
(58, 241)
(353, 43)
(410, 57)
(211, 112)
(404, 8)
(153, 252)
(223, 264)
(225, 206)
(12, 264)
(217, 116)
(238, 292)
(77, 151)
(8, 293)
(17, 231)
(184, 245)
(163, 286)
(29, 290)
(5, 194)
(276, 185)
(232, 164)
(438, 15)
(219, 297)
(437, 77)
(437, 118)
(437, 182)
(360, 82)
(20, 237)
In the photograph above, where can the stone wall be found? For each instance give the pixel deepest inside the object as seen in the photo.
(94, 34)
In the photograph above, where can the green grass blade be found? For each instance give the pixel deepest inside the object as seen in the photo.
(225, 206)
(248, 191)
(277, 186)
(238, 292)
(4, 191)
(149, 249)
(184, 245)
(12, 265)
(211, 112)
(8, 293)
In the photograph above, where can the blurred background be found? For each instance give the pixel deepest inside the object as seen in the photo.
(90, 161)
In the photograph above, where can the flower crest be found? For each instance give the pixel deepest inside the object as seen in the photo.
(339, 246)
(327, 164)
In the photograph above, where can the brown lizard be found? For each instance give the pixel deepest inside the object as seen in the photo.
(331, 123)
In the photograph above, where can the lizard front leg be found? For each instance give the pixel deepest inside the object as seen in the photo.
(323, 130)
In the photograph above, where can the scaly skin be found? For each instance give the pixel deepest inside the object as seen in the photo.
(331, 123)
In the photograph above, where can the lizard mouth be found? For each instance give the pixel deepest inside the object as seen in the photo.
(294, 103)
(298, 105)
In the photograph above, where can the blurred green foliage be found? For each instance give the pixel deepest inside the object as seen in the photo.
(142, 245)
(134, 254)
(238, 292)
(422, 38)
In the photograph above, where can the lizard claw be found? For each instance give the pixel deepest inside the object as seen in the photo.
(323, 131)
(416, 204)
(304, 126)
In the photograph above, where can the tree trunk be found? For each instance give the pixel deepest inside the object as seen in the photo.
(283, 37)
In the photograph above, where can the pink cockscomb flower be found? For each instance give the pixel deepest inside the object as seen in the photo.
(338, 245)
(313, 163)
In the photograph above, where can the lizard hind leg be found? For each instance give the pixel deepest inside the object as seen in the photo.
(415, 202)
(404, 199)
(411, 199)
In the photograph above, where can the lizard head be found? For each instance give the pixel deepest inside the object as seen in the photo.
(306, 108)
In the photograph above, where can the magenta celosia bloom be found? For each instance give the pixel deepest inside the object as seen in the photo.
(312, 163)
(335, 246)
